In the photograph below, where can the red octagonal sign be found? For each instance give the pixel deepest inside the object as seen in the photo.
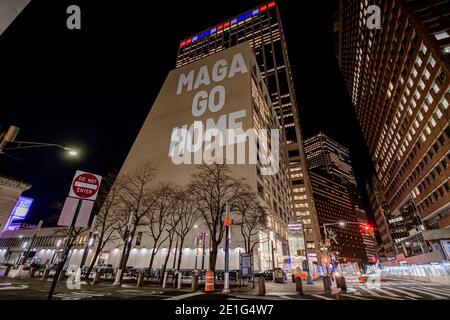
(85, 185)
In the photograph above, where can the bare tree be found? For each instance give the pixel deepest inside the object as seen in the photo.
(188, 214)
(158, 217)
(136, 200)
(172, 221)
(106, 223)
(251, 217)
(213, 187)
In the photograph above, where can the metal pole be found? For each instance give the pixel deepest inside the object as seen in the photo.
(309, 279)
(203, 249)
(196, 252)
(25, 257)
(65, 253)
(118, 279)
(175, 254)
(87, 244)
(226, 282)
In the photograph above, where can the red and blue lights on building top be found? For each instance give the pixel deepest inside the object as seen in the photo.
(227, 24)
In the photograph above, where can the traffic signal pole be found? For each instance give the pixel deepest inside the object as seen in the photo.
(65, 252)
(226, 280)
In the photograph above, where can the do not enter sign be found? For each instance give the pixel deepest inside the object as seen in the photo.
(85, 185)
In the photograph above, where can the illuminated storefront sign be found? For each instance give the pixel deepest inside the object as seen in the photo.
(19, 211)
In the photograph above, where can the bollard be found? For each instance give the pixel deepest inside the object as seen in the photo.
(31, 273)
(327, 284)
(343, 285)
(140, 280)
(46, 274)
(165, 279)
(299, 285)
(96, 279)
(194, 285)
(8, 269)
(338, 282)
(179, 280)
(209, 281)
(261, 286)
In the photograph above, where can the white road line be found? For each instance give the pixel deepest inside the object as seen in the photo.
(357, 293)
(184, 296)
(286, 297)
(405, 292)
(352, 296)
(369, 291)
(439, 292)
(321, 297)
(430, 293)
(386, 292)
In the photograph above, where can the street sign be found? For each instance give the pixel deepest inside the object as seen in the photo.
(85, 185)
(228, 221)
(327, 243)
(245, 265)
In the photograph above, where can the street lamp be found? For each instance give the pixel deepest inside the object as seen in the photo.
(9, 137)
(28, 145)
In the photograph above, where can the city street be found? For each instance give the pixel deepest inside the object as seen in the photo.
(12, 289)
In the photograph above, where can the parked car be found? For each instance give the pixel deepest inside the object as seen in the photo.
(105, 268)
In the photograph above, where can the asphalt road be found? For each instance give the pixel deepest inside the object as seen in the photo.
(14, 289)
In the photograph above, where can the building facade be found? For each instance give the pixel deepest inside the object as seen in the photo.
(10, 191)
(334, 184)
(262, 28)
(326, 156)
(398, 77)
(334, 204)
(218, 94)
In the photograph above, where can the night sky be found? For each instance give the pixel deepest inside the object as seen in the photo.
(92, 88)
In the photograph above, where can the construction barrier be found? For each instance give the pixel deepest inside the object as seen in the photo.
(209, 284)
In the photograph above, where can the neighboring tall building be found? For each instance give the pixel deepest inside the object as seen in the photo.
(262, 28)
(10, 191)
(334, 204)
(222, 92)
(334, 185)
(327, 156)
(368, 237)
(387, 234)
(398, 77)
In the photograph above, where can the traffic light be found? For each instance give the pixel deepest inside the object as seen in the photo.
(366, 228)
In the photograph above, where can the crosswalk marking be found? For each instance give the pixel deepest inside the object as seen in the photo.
(352, 296)
(369, 291)
(405, 292)
(435, 293)
(387, 292)
(432, 294)
(285, 297)
(438, 291)
(321, 297)
(184, 296)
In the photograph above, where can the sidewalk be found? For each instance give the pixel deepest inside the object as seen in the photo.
(287, 288)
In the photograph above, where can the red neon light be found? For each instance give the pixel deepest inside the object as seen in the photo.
(182, 44)
(263, 8)
(226, 24)
(219, 27)
(271, 5)
(188, 41)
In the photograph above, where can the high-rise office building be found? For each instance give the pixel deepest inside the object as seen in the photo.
(217, 95)
(325, 155)
(334, 204)
(398, 76)
(330, 163)
(262, 28)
